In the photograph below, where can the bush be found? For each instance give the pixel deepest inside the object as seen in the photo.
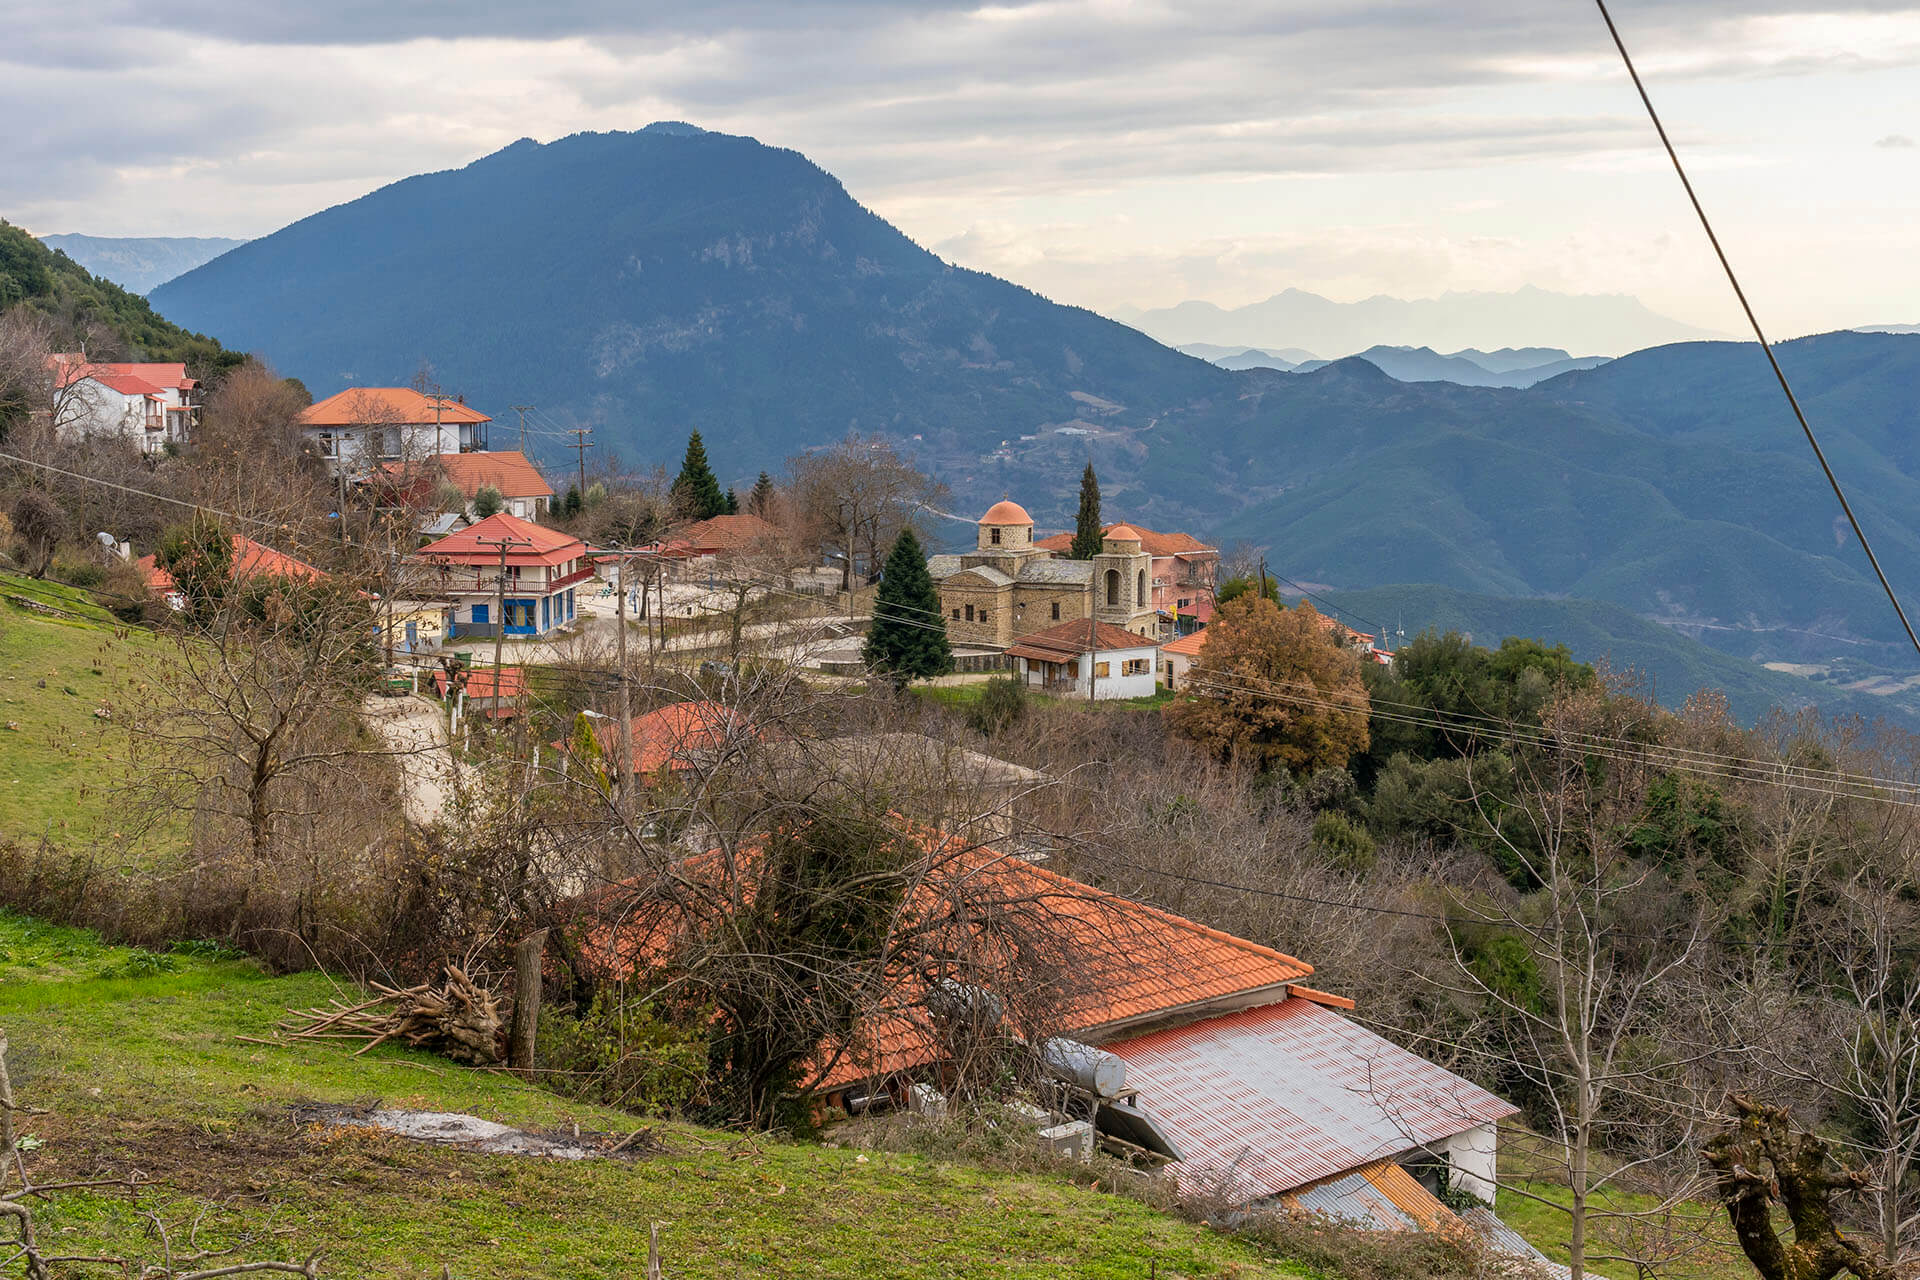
(617, 1053)
(1346, 844)
(1002, 704)
(86, 574)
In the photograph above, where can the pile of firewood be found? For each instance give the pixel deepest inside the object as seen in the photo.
(455, 1017)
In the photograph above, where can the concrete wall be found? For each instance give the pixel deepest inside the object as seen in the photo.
(1472, 1155)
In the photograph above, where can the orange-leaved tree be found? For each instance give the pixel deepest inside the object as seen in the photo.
(1274, 686)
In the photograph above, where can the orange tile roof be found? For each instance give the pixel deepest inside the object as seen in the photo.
(1151, 542)
(508, 470)
(1007, 511)
(1133, 965)
(1069, 640)
(667, 737)
(1187, 646)
(728, 533)
(126, 377)
(386, 406)
(480, 682)
(537, 544)
(249, 558)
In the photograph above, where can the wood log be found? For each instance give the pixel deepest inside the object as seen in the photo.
(527, 959)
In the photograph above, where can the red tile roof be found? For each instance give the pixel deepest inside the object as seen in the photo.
(536, 544)
(508, 470)
(1133, 964)
(386, 406)
(1187, 646)
(1151, 542)
(127, 378)
(1006, 511)
(1069, 640)
(249, 558)
(728, 533)
(481, 682)
(668, 737)
(1276, 1097)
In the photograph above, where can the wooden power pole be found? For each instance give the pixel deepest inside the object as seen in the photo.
(580, 445)
(500, 596)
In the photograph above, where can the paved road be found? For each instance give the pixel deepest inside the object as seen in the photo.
(415, 730)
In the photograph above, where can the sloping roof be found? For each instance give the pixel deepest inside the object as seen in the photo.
(386, 406)
(537, 544)
(729, 533)
(249, 558)
(1069, 640)
(1057, 572)
(1187, 646)
(508, 470)
(1151, 542)
(480, 682)
(942, 566)
(130, 378)
(668, 737)
(1378, 1196)
(985, 572)
(1276, 1097)
(1133, 964)
(1006, 511)
(127, 384)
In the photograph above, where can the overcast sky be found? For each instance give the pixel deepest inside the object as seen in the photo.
(1111, 153)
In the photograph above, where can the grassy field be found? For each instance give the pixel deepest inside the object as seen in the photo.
(62, 660)
(136, 1056)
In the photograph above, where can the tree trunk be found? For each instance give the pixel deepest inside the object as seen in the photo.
(526, 1000)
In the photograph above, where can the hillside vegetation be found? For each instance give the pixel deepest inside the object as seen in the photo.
(138, 1058)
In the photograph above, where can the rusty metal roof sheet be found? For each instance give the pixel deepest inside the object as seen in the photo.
(1272, 1098)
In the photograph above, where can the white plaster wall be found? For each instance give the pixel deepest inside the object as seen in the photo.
(1472, 1156)
(1115, 685)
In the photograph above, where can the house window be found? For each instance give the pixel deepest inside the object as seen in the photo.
(969, 613)
(1099, 671)
(993, 535)
(1185, 601)
(1136, 667)
(1056, 611)
(519, 613)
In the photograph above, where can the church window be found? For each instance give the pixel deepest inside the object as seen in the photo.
(985, 616)
(1113, 586)
(1140, 587)
(969, 613)
(994, 535)
(956, 613)
(1056, 611)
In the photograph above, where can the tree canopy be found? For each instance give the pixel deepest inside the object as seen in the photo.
(1274, 686)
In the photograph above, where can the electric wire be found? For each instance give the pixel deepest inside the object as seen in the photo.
(1766, 347)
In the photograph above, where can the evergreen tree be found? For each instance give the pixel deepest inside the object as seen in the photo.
(1086, 526)
(733, 503)
(760, 497)
(696, 493)
(488, 501)
(571, 504)
(908, 640)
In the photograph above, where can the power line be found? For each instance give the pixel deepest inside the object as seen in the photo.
(1753, 320)
(144, 493)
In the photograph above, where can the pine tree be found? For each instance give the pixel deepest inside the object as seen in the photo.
(570, 505)
(760, 497)
(908, 640)
(696, 493)
(1086, 526)
(733, 503)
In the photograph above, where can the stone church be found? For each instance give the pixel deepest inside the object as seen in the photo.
(1007, 587)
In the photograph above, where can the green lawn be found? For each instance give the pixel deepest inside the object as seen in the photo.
(60, 762)
(136, 1056)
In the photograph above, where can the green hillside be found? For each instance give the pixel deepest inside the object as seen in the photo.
(83, 305)
(138, 1059)
(1675, 665)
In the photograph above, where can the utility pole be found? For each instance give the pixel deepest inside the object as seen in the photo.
(1263, 577)
(580, 445)
(626, 701)
(522, 409)
(500, 596)
(1093, 647)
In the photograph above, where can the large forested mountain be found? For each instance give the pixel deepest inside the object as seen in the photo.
(652, 281)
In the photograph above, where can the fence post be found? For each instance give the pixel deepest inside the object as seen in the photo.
(526, 999)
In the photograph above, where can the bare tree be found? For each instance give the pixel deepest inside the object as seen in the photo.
(856, 497)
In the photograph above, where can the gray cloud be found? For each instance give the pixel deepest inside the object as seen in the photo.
(1895, 142)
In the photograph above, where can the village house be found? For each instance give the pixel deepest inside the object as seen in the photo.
(542, 568)
(1008, 587)
(669, 740)
(360, 428)
(1086, 659)
(249, 559)
(524, 492)
(1177, 658)
(1183, 575)
(486, 691)
(700, 549)
(150, 405)
(1173, 1044)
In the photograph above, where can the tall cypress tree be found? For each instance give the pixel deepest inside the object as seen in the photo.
(908, 639)
(696, 493)
(1086, 526)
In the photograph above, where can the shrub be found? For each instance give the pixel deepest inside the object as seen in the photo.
(1346, 844)
(1002, 704)
(617, 1053)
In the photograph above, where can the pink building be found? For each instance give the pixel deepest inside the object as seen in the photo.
(1184, 571)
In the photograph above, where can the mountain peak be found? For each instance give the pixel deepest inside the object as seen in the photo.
(674, 129)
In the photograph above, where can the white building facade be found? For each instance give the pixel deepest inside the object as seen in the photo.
(1087, 659)
(149, 405)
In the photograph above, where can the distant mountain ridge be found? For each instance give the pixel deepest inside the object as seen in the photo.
(1469, 368)
(140, 263)
(1610, 323)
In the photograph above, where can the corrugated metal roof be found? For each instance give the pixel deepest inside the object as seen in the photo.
(1279, 1096)
(1353, 1200)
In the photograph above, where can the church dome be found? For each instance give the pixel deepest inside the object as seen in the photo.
(1123, 533)
(1006, 511)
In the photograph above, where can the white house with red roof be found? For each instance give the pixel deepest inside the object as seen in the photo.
(360, 428)
(541, 569)
(1086, 658)
(522, 489)
(151, 405)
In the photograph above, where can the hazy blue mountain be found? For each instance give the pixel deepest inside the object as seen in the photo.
(1595, 322)
(1889, 328)
(1512, 359)
(1671, 666)
(672, 278)
(140, 263)
(1285, 360)
(1424, 364)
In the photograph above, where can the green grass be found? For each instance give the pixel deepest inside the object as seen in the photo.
(60, 763)
(139, 1062)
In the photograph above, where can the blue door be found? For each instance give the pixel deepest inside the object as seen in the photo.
(480, 612)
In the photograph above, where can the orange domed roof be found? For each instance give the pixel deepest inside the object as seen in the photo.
(1006, 511)
(1124, 533)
